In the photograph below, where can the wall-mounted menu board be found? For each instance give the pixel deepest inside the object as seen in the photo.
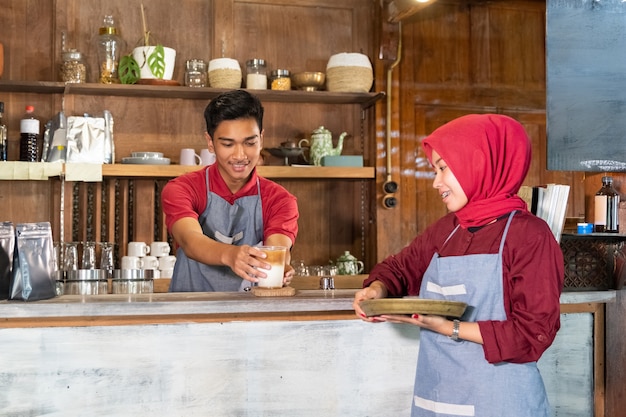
(586, 85)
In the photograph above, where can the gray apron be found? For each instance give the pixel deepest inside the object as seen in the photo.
(238, 224)
(453, 378)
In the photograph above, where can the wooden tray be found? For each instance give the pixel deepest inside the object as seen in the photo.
(411, 305)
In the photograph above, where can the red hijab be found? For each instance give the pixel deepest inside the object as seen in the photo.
(489, 155)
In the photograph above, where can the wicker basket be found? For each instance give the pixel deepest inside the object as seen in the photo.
(225, 78)
(349, 79)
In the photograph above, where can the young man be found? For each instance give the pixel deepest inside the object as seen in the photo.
(217, 215)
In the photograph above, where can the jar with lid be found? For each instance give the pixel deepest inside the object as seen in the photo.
(280, 80)
(109, 45)
(606, 208)
(73, 67)
(195, 73)
(256, 74)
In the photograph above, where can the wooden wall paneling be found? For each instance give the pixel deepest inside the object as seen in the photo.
(82, 19)
(27, 40)
(143, 210)
(616, 355)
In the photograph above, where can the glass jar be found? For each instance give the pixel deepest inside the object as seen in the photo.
(256, 74)
(195, 73)
(110, 46)
(280, 80)
(73, 67)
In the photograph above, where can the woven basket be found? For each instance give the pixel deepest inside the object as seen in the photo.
(225, 78)
(349, 79)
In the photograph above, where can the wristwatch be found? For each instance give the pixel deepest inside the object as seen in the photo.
(455, 330)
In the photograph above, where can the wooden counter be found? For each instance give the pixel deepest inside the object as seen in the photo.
(235, 354)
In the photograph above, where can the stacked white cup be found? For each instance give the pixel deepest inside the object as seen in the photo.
(164, 261)
(135, 255)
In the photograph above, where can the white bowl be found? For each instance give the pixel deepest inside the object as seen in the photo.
(151, 155)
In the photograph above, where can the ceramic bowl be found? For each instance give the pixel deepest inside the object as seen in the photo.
(150, 155)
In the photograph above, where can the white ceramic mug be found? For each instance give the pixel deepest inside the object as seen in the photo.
(167, 262)
(207, 157)
(189, 156)
(166, 273)
(150, 262)
(138, 249)
(159, 249)
(131, 262)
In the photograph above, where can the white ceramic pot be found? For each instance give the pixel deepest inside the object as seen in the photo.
(141, 53)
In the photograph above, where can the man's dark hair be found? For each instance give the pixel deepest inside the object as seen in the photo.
(233, 105)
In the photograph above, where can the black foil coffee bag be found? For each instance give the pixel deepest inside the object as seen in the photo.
(33, 275)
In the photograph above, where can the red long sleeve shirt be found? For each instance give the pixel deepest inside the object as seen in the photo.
(532, 277)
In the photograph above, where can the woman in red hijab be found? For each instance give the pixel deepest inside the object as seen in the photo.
(490, 253)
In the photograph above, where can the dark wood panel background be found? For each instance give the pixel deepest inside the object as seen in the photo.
(457, 57)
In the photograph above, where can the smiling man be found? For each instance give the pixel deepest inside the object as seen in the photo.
(217, 215)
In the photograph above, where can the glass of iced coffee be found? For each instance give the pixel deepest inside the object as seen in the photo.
(276, 258)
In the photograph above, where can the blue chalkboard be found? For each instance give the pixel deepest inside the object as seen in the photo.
(586, 85)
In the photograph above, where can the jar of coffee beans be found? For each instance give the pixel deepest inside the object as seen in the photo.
(73, 67)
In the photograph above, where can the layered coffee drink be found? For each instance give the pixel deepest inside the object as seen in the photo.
(276, 258)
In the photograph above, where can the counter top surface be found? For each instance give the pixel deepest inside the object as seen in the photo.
(180, 304)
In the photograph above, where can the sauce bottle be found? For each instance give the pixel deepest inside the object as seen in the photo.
(606, 207)
(29, 136)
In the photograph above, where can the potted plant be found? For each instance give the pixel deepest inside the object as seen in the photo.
(147, 61)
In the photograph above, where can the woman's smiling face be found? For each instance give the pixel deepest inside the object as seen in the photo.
(447, 185)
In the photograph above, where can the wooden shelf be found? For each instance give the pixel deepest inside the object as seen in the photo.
(171, 171)
(366, 100)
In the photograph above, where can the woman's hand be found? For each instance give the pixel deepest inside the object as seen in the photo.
(376, 290)
(437, 324)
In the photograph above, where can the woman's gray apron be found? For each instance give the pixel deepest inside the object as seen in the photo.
(453, 378)
(238, 224)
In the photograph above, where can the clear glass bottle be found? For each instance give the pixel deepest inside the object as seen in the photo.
(29, 136)
(73, 67)
(3, 135)
(606, 208)
(110, 45)
(256, 74)
(195, 73)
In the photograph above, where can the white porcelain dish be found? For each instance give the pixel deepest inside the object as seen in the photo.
(146, 154)
(146, 161)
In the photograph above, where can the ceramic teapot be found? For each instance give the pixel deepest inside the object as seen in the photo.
(347, 264)
(321, 144)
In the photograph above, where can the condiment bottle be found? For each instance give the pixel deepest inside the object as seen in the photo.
(29, 136)
(256, 75)
(195, 73)
(279, 80)
(73, 67)
(606, 207)
(3, 135)
(109, 48)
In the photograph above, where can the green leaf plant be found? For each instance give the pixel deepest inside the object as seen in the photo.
(130, 70)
